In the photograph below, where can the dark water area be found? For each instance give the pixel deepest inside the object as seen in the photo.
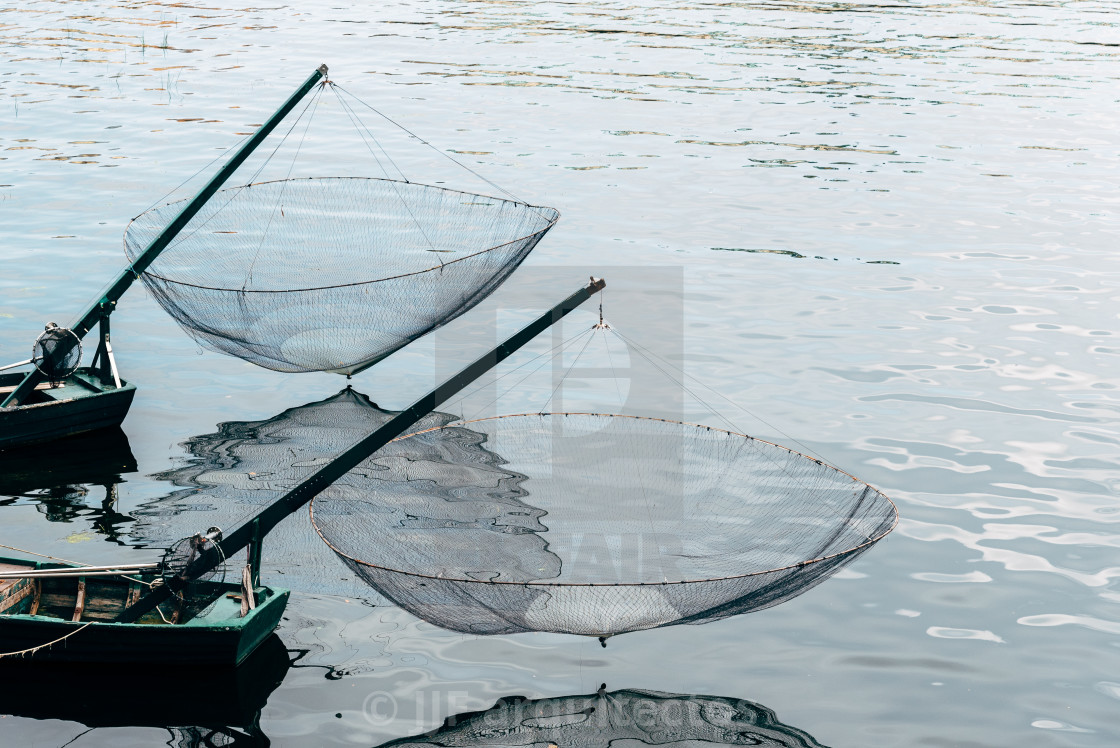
(884, 232)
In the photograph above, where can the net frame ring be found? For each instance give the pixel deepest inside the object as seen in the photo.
(483, 604)
(490, 237)
(40, 354)
(888, 508)
(174, 565)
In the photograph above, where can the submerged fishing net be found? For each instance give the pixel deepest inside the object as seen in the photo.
(332, 274)
(593, 524)
(617, 718)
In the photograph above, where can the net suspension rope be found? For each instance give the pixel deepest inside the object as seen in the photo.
(234, 191)
(442, 153)
(346, 101)
(544, 358)
(366, 135)
(279, 206)
(660, 365)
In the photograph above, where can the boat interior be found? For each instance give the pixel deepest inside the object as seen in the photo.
(95, 598)
(82, 383)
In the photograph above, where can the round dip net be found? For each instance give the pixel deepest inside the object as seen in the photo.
(593, 524)
(332, 274)
(617, 718)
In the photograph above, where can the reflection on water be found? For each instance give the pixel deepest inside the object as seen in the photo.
(73, 480)
(610, 718)
(198, 707)
(974, 382)
(233, 473)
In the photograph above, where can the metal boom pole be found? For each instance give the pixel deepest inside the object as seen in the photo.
(270, 516)
(106, 302)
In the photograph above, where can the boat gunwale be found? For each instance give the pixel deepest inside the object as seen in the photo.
(266, 596)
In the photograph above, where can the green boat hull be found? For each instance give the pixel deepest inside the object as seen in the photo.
(37, 617)
(82, 403)
(96, 696)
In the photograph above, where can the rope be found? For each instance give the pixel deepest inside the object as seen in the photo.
(280, 200)
(792, 476)
(602, 328)
(42, 555)
(205, 167)
(453, 160)
(363, 132)
(514, 370)
(32, 650)
(566, 373)
(721, 395)
(360, 126)
(237, 190)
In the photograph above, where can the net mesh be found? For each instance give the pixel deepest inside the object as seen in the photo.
(332, 274)
(197, 591)
(593, 524)
(57, 353)
(618, 718)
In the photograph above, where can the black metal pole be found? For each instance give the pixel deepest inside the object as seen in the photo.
(259, 525)
(108, 299)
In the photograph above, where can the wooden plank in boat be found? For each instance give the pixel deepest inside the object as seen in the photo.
(43, 386)
(15, 594)
(80, 604)
(6, 585)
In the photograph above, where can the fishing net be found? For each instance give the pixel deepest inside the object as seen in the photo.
(617, 718)
(332, 274)
(57, 353)
(593, 524)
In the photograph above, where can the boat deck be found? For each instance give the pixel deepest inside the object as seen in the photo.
(82, 383)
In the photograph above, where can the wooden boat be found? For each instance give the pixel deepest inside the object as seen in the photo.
(81, 403)
(71, 618)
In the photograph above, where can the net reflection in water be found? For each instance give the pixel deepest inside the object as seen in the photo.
(618, 718)
(233, 473)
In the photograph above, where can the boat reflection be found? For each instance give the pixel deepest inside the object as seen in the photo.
(197, 706)
(615, 718)
(64, 479)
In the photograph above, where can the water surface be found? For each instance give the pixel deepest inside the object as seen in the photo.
(889, 230)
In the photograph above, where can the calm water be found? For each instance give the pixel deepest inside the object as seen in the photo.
(890, 234)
